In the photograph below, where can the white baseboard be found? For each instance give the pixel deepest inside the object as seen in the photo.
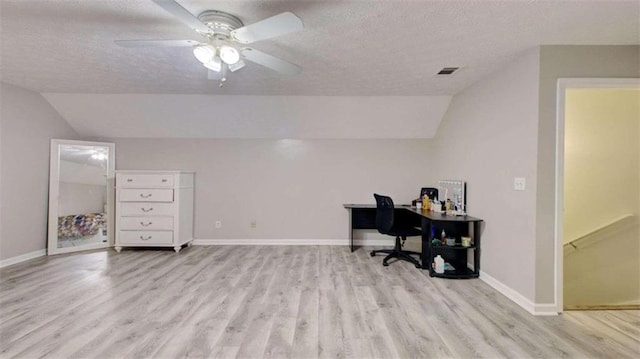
(519, 299)
(290, 242)
(21, 258)
(270, 242)
(546, 309)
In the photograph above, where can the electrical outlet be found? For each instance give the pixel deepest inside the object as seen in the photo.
(253, 224)
(519, 184)
(218, 224)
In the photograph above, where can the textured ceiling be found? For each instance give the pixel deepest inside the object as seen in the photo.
(352, 48)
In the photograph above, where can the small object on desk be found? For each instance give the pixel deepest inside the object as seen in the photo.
(451, 242)
(418, 205)
(438, 264)
(436, 242)
(443, 236)
(466, 241)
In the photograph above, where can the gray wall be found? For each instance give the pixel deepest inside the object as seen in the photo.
(293, 189)
(27, 123)
(250, 117)
(488, 137)
(565, 62)
(505, 127)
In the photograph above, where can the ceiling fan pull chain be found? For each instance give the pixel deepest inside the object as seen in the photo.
(223, 71)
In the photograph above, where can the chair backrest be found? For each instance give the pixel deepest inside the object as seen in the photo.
(384, 213)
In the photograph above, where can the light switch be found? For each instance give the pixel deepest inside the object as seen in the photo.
(519, 184)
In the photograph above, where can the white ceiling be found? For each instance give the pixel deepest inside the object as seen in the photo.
(369, 67)
(348, 48)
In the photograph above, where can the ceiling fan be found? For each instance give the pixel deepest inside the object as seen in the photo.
(224, 35)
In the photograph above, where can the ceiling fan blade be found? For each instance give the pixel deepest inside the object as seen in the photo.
(156, 43)
(277, 25)
(213, 75)
(182, 14)
(271, 62)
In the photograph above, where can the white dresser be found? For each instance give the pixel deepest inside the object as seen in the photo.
(154, 209)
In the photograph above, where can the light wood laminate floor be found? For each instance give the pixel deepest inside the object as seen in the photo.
(279, 302)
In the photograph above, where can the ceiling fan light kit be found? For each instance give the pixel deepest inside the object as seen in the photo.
(224, 33)
(229, 54)
(204, 53)
(214, 64)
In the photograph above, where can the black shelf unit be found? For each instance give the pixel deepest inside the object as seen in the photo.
(463, 273)
(457, 256)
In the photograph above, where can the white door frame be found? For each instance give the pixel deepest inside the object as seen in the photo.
(563, 85)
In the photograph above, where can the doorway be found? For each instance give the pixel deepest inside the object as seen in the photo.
(598, 194)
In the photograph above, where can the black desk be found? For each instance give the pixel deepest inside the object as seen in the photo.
(363, 216)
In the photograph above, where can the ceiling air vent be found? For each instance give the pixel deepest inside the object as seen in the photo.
(448, 70)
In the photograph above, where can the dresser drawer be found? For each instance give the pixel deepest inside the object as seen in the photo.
(146, 209)
(124, 180)
(146, 223)
(145, 237)
(146, 195)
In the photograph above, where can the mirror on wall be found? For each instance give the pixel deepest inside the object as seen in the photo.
(81, 178)
(454, 191)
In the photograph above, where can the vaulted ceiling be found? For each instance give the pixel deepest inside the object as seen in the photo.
(347, 48)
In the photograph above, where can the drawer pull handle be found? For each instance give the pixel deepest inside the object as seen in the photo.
(147, 210)
(146, 195)
(145, 238)
(129, 179)
(164, 180)
(146, 224)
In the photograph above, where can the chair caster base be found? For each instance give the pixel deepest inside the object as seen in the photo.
(385, 264)
(373, 254)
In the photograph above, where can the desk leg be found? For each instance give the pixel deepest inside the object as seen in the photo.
(425, 258)
(476, 253)
(351, 229)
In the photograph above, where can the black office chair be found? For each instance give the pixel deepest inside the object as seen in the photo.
(386, 225)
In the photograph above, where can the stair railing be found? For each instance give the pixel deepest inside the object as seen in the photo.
(601, 232)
